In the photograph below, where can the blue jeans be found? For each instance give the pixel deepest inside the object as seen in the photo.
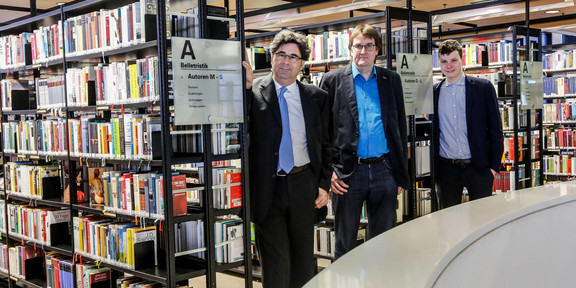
(374, 184)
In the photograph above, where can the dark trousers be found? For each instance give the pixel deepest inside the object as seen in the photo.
(374, 184)
(285, 239)
(452, 178)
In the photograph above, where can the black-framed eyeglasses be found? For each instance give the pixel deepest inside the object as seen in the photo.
(368, 47)
(283, 56)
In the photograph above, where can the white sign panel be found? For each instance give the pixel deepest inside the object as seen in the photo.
(531, 85)
(417, 83)
(207, 81)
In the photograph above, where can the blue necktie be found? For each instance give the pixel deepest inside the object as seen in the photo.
(286, 159)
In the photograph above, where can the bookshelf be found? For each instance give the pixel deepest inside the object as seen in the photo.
(497, 57)
(89, 143)
(416, 39)
(559, 95)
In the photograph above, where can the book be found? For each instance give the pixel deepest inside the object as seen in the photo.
(98, 278)
(96, 186)
(234, 234)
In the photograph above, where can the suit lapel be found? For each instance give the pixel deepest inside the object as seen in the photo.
(469, 86)
(309, 111)
(268, 92)
(383, 85)
(348, 88)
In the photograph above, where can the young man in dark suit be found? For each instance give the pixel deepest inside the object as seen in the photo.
(370, 153)
(468, 145)
(289, 163)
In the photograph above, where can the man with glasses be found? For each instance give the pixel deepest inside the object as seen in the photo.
(289, 163)
(370, 153)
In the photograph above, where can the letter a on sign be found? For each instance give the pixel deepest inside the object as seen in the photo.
(525, 68)
(187, 50)
(404, 62)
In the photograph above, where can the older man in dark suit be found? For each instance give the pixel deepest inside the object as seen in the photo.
(370, 159)
(468, 145)
(289, 163)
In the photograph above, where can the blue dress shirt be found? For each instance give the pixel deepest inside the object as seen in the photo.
(372, 142)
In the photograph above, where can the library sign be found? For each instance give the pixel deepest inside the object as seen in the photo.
(417, 83)
(207, 81)
(531, 85)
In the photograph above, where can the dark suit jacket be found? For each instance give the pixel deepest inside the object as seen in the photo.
(340, 86)
(265, 130)
(482, 120)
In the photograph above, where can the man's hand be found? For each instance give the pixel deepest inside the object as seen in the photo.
(338, 186)
(322, 198)
(249, 74)
(399, 190)
(493, 172)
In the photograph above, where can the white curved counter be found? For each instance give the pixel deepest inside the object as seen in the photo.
(524, 238)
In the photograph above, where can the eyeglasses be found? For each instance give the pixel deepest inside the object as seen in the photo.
(283, 56)
(368, 47)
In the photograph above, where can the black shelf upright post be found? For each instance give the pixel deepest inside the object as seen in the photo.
(515, 108)
(168, 226)
(244, 154)
(409, 15)
(207, 148)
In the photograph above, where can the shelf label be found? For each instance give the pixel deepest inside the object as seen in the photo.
(531, 85)
(417, 83)
(207, 81)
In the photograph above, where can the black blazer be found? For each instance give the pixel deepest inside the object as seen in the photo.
(340, 86)
(482, 120)
(265, 130)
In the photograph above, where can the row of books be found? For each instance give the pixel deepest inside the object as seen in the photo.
(400, 40)
(61, 270)
(189, 238)
(13, 89)
(107, 28)
(560, 165)
(423, 201)
(127, 82)
(19, 258)
(507, 116)
(329, 46)
(141, 194)
(473, 55)
(129, 136)
(124, 244)
(32, 181)
(560, 138)
(3, 226)
(227, 187)
(42, 225)
(559, 86)
(559, 60)
(42, 137)
(188, 138)
(228, 239)
(509, 144)
(324, 240)
(482, 54)
(559, 112)
(504, 182)
(422, 158)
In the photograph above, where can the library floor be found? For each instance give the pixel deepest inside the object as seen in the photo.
(233, 280)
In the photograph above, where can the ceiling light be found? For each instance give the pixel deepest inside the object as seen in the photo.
(496, 11)
(552, 11)
(280, 18)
